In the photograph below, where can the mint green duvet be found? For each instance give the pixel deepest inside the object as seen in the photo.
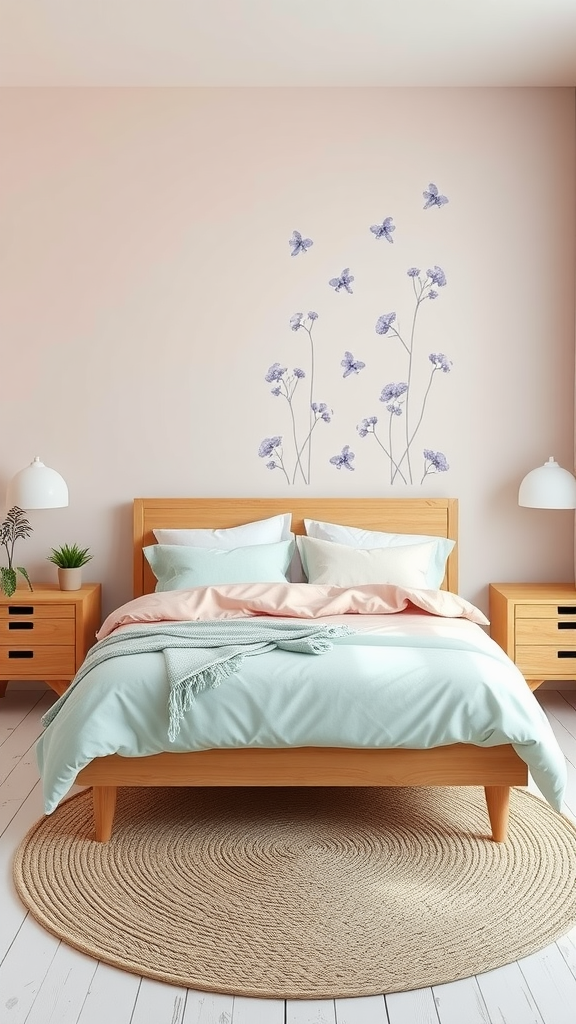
(404, 680)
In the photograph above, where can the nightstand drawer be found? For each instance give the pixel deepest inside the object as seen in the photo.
(37, 662)
(560, 632)
(564, 609)
(545, 662)
(32, 610)
(29, 632)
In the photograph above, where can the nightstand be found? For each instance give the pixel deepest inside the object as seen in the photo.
(535, 623)
(46, 632)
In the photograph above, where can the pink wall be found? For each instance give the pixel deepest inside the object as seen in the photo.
(147, 285)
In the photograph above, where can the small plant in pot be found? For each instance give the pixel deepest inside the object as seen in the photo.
(14, 527)
(70, 558)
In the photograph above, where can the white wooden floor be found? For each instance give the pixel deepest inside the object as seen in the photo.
(43, 981)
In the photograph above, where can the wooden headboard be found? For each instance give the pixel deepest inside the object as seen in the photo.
(437, 517)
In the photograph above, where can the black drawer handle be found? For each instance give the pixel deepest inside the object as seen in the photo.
(20, 609)
(566, 609)
(566, 625)
(20, 654)
(566, 654)
(20, 625)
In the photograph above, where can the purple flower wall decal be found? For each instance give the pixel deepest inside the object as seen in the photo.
(434, 462)
(272, 446)
(384, 230)
(303, 421)
(400, 398)
(299, 244)
(321, 411)
(433, 197)
(384, 323)
(268, 446)
(276, 372)
(437, 276)
(343, 461)
(342, 282)
(367, 426)
(405, 401)
(351, 365)
(440, 362)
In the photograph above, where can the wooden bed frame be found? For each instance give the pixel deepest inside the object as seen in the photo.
(494, 768)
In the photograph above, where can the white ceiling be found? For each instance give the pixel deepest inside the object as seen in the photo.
(288, 43)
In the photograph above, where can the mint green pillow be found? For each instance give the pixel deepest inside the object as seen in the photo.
(179, 567)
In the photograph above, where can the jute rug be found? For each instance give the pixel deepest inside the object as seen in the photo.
(302, 893)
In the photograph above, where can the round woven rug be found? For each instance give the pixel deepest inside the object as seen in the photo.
(302, 893)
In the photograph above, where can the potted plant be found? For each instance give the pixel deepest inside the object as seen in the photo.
(69, 558)
(14, 527)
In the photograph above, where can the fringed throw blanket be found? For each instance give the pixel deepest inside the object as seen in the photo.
(199, 655)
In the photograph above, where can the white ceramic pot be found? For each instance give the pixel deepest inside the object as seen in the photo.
(70, 579)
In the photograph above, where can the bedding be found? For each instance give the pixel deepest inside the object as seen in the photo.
(355, 537)
(178, 567)
(414, 669)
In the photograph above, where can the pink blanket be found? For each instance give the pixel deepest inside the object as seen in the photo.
(285, 600)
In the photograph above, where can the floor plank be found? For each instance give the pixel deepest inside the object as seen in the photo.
(552, 984)
(62, 993)
(507, 997)
(567, 947)
(415, 1007)
(111, 996)
(24, 968)
(208, 1008)
(14, 707)
(257, 1011)
(460, 1001)
(364, 1010)
(310, 1011)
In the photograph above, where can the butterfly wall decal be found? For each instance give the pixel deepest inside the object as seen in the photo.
(433, 197)
(351, 365)
(299, 244)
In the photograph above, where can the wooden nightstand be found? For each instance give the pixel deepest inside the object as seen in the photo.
(535, 623)
(46, 632)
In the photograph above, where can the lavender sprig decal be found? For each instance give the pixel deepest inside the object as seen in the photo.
(424, 287)
(272, 446)
(285, 386)
(434, 462)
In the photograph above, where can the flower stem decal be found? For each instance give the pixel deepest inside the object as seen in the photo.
(285, 386)
(398, 398)
(434, 462)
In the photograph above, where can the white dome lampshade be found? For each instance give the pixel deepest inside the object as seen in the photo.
(37, 486)
(549, 486)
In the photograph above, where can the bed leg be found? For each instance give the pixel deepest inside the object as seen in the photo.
(104, 802)
(498, 803)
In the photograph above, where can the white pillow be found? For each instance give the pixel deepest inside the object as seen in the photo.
(353, 537)
(405, 565)
(263, 531)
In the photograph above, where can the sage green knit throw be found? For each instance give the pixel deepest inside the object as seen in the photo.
(199, 655)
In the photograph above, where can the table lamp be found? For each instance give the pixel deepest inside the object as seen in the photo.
(549, 486)
(37, 486)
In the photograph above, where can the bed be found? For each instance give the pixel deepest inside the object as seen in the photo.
(496, 768)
